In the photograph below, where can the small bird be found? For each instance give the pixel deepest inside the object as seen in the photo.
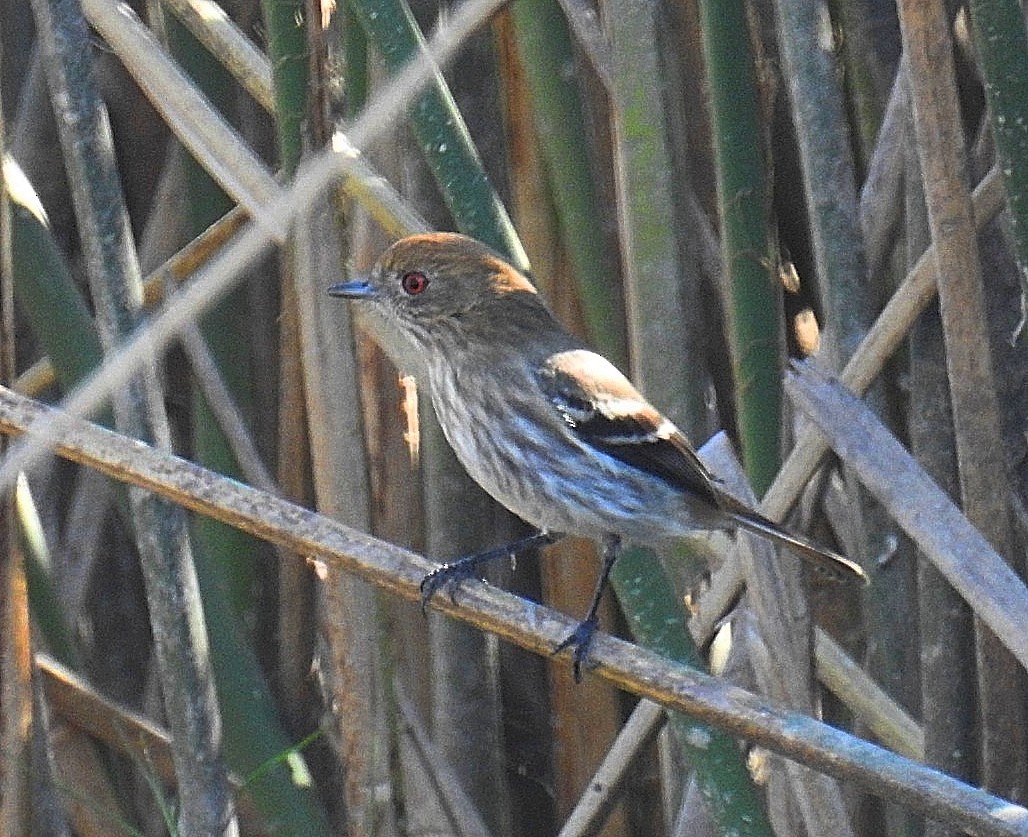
(550, 429)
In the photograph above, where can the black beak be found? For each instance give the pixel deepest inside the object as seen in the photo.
(357, 289)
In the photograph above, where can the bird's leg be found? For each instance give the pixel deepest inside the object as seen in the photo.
(450, 575)
(582, 636)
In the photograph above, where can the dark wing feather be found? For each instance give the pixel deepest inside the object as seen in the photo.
(600, 405)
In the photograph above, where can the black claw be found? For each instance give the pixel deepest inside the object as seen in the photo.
(447, 577)
(579, 641)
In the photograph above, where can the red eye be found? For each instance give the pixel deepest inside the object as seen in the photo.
(414, 282)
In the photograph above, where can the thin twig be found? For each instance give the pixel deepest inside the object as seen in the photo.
(866, 699)
(464, 818)
(226, 411)
(642, 726)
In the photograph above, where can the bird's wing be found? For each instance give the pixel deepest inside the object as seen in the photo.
(602, 407)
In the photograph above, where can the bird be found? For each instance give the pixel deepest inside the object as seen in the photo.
(552, 430)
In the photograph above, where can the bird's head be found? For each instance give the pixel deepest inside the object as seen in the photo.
(435, 287)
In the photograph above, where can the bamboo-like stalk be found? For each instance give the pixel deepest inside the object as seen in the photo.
(810, 69)
(306, 611)
(890, 621)
(162, 538)
(981, 466)
(348, 608)
(660, 282)
(544, 45)
(289, 57)
(657, 622)
(322, 444)
(442, 133)
(1002, 47)
(829, 178)
(662, 285)
(753, 308)
(227, 569)
(868, 51)
(945, 624)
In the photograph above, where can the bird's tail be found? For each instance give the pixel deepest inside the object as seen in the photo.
(837, 566)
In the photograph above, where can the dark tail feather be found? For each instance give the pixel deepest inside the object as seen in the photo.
(837, 566)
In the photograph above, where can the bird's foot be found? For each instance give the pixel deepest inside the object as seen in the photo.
(447, 577)
(579, 641)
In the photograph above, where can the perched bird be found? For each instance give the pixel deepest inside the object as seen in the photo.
(550, 429)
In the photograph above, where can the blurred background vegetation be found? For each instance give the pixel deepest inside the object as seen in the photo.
(703, 189)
